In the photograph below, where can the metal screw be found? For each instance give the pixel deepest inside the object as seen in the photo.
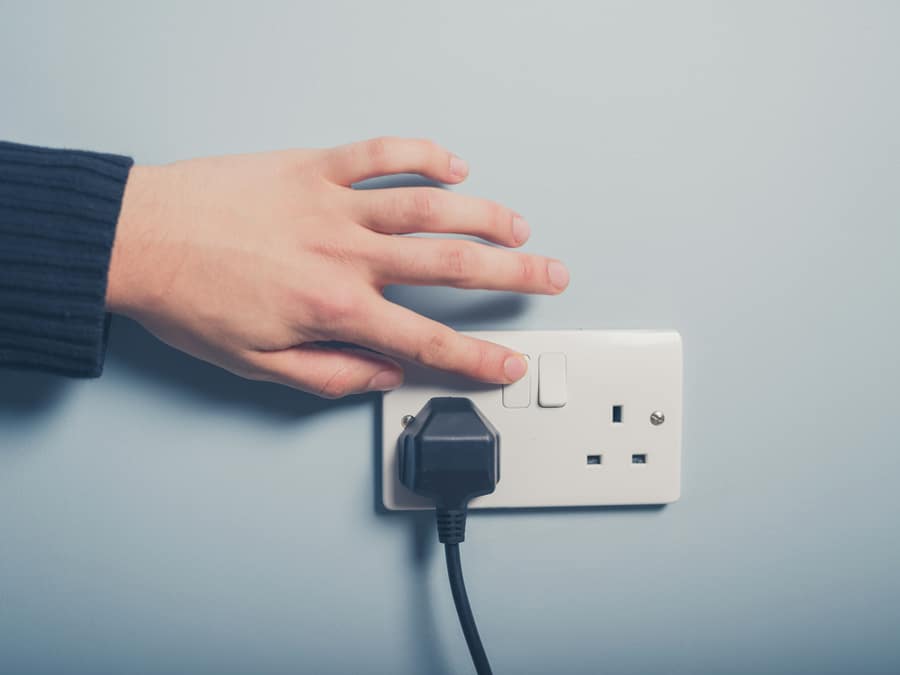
(657, 417)
(406, 420)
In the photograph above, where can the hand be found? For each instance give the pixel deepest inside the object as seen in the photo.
(249, 261)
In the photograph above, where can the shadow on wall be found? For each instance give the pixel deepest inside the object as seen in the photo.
(163, 367)
(428, 636)
(423, 545)
(26, 395)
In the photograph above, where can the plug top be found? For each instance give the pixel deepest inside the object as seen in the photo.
(450, 453)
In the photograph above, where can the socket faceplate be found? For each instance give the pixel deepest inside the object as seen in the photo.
(577, 453)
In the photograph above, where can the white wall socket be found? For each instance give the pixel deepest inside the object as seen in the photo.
(595, 422)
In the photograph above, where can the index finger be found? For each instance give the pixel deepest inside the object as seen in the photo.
(400, 332)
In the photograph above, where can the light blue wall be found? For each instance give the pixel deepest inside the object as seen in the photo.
(729, 170)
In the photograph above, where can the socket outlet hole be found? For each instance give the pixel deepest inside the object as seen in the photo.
(617, 414)
(595, 459)
(639, 458)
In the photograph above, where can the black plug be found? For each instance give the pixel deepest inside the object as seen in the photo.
(450, 453)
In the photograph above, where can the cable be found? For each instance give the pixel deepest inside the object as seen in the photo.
(464, 610)
(450, 453)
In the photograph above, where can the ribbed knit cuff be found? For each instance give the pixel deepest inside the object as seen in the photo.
(58, 214)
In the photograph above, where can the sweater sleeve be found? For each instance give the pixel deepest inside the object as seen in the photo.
(58, 214)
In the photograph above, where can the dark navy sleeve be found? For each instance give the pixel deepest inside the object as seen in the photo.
(58, 215)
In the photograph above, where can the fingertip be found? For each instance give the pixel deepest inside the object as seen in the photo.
(558, 275)
(514, 367)
(521, 230)
(459, 169)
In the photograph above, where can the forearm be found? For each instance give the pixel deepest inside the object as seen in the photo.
(58, 214)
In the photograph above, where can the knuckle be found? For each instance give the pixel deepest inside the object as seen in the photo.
(423, 205)
(302, 162)
(457, 260)
(430, 350)
(527, 270)
(378, 149)
(340, 250)
(481, 360)
(333, 309)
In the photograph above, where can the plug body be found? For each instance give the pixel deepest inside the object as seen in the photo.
(450, 453)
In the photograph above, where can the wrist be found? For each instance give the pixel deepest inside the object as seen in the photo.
(130, 281)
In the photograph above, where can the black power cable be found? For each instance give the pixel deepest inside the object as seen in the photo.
(450, 453)
(464, 610)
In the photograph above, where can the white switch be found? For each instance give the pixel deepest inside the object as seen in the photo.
(518, 394)
(552, 380)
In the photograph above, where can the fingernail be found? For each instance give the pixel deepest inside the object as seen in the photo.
(514, 367)
(458, 167)
(559, 275)
(386, 380)
(521, 229)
